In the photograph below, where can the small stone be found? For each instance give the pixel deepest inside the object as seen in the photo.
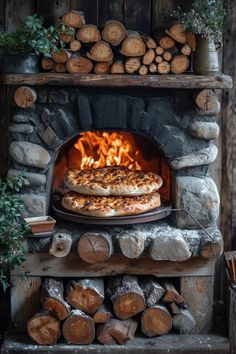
(49, 137)
(20, 118)
(34, 205)
(35, 179)
(21, 128)
(204, 130)
(58, 97)
(201, 157)
(199, 197)
(29, 154)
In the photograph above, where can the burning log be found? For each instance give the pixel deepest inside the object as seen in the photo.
(85, 294)
(88, 34)
(152, 290)
(126, 296)
(116, 331)
(171, 294)
(75, 45)
(25, 97)
(207, 102)
(117, 67)
(60, 68)
(149, 56)
(177, 32)
(132, 65)
(47, 63)
(114, 32)
(156, 321)
(102, 68)
(61, 245)
(163, 67)
(61, 56)
(102, 315)
(44, 328)
(95, 247)
(52, 298)
(179, 64)
(101, 52)
(79, 65)
(133, 46)
(78, 328)
(131, 244)
(73, 19)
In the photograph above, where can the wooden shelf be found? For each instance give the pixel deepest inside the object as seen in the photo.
(188, 81)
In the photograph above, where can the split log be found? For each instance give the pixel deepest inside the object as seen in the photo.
(143, 70)
(61, 55)
(114, 32)
(152, 290)
(133, 46)
(73, 19)
(79, 65)
(211, 247)
(171, 294)
(52, 298)
(186, 49)
(158, 59)
(102, 68)
(167, 56)
(25, 97)
(75, 45)
(163, 67)
(117, 68)
(85, 294)
(60, 68)
(207, 102)
(191, 40)
(159, 50)
(88, 34)
(116, 331)
(102, 315)
(149, 41)
(126, 296)
(94, 247)
(78, 328)
(177, 32)
(44, 328)
(61, 244)
(132, 243)
(149, 56)
(156, 321)
(101, 52)
(47, 63)
(152, 68)
(132, 65)
(184, 321)
(180, 64)
(164, 41)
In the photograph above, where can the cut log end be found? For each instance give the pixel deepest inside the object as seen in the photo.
(116, 331)
(94, 247)
(88, 34)
(47, 64)
(155, 321)
(102, 315)
(100, 52)
(114, 32)
(61, 56)
(25, 96)
(132, 65)
(61, 245)
(102, 68)
(79, 65)
(179, 64)
(75, 45)
(78, 328)
(117, 68)
(44, 328)
(73, 19)
(133, 46)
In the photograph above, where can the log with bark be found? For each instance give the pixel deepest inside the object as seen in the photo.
(183, 321)
(101, 52)
(73, 19)
(47, 63)
(61, 244)
(25, 97)
(52, 298)
(79, 65)
(78, 328)
(163, 40)
(133, 45)
(152, 290)
(88, 34)
(126, 296)
(75, 45)
(85, 294)
(207, 102)
(131, 243)
(114, 32)
(149, 57)
(177, 32)
(191, 40)
(94, 247)
(149, 41)
(116, 331)
(102, 315)
(118, 67)
(102, 68)
(132, 65)
(44, 328)
(180, 64)
(171, 294)
(156, 321)
(61, 55)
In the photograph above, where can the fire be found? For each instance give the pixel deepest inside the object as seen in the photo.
(100, 149)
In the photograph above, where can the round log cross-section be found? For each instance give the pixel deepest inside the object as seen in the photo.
(25, 97)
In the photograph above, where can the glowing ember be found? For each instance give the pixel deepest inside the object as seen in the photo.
(100, 149)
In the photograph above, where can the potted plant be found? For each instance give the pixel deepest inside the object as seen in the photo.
(23, 47)
(206, 20)
(13, 229)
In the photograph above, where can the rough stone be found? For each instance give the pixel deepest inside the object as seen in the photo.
(29, 154)
(21, 128)
(34, 205)
(202, 157)
(199, 197)
(20, 118)
(35, 179)
(49, 137)
(204, 130)
(58, 97)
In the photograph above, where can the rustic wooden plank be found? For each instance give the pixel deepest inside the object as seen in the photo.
(89, 8)
(110, 10)
(137, 15)
(198, 294)
(42, 264)
(16, 11)
(24, 300)
(219, 81)
(51, 10)
(173, 344)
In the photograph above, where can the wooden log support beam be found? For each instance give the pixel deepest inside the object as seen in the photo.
(61, 244)
(116, 331)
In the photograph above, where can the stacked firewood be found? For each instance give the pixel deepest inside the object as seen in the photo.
(116, 50)
(109, 312)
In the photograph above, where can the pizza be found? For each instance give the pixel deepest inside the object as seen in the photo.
(107, 206)
(112, 180)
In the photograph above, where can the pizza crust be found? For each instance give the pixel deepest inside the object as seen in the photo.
(110, 206)
(112, 180)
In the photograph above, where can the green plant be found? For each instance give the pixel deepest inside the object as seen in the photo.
(12, 227)
(206, 18)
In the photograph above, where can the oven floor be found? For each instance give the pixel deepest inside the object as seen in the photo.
(172, 343)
